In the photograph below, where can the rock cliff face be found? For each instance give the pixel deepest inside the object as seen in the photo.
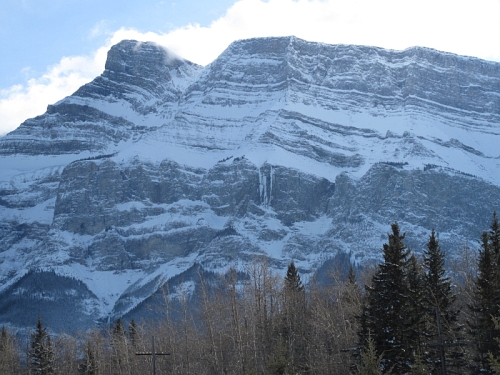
(280, 148)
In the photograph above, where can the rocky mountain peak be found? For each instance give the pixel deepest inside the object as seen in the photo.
(280, 148)
(132, 67)
(141, 58)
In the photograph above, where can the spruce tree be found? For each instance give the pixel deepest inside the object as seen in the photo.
(387, 300)
(89, 365)
(486, 299)
(494, 234)
(292, 279)
(132, 333)
(351, 275)
(415, 310)
(439, 300)
(294, 330)
(370, 360)
(9, 357)
(119, 345)
(41, 354)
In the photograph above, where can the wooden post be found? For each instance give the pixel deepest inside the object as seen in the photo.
(153, 355)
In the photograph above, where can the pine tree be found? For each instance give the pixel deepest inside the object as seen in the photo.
(419, 367)
(132, 333)
(9, 358)
(370, 360)
(351, 275)
(387, 300)
(351, 292)
(292, 279)
(493, 360)
(494, 234)
(119, 345)
(41, 355)
(294, 319)
(415, 311)
(89, 365)
(439, 300)
(486, 300)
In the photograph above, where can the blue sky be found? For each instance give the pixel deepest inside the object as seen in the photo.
(37, 33)
(51, 47)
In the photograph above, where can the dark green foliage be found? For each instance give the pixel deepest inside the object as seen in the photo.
(419, 367)
(439, 299)
(278, 326)
(278, 362)
(351, 276)
(153, 307)
(132, 333)
(48, 293)
(487, 298)
(9, 356)
(292, 279)
(370, 360)
(415, 310)
(494, 234)
(385, 316)
(438, 286)
(118, 329)
(293, 329)
(89, 365)
(41, 354)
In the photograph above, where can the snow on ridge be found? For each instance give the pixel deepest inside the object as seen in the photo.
(285, 118)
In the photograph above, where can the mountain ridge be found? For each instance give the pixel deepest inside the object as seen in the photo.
(279, 148)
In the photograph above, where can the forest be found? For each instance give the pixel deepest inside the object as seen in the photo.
(413, 313)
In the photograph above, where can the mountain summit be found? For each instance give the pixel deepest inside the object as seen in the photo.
(279, 148)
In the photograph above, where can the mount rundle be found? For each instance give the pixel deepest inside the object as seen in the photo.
(280, 148)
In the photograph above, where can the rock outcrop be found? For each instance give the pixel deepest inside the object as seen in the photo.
(280, 148)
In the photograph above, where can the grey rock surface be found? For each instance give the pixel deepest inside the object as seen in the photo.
(280, 148)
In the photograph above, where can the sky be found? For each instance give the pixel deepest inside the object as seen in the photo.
(49, 48)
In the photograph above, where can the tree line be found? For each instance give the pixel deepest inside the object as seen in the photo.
(406, 315)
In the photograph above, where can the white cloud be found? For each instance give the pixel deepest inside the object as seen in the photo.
(100, 28)
(20, 102)
(459, 26)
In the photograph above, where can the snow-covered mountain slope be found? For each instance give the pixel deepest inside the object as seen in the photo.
(280, 148)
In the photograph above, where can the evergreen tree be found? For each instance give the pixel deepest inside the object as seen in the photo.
(419, 367)
(387, 300)
(494, 234)
(118, 330)
(41, 355)
(132, 333)
(89, 365)
(351, 275)
(120, 349)
(292, 280)
(293, 329)
(278, 362)
(486, 299)
(495, 361)
(351, 292)
(370, 360)
(439, 301)
(9, 358)
(415, 310)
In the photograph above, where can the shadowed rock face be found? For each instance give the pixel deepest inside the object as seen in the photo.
(280, 148)
(454, 203)
(113, 203)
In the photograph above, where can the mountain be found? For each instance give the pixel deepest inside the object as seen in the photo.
(279, 148)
